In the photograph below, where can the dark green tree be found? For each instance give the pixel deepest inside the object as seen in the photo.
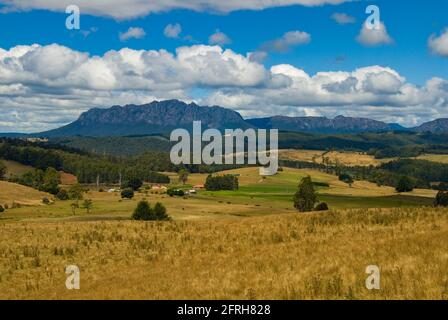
(2, 170)
(62, 195)
(321, 207)
(134, 184)
(143, 212)
(305, 197)
(345, 177)
(160, 212)
(127, 193)
(51, 180)
(441, 199)
(87, 204)
(405, 184)
(76, 192)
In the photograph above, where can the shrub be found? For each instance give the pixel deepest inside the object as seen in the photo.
(405, 184)
(441, 199)
(305, 197)
(160, 212)
(6, 206)
(175, 192)
(143, 212)
(2, 209)
(127, 193)
(45, 200)
(321, 207)
(62, 195)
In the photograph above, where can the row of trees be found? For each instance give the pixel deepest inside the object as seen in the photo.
(47, 180)
(224, 182)
(87, 168)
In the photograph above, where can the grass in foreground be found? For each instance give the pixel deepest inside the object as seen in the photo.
(291, 256)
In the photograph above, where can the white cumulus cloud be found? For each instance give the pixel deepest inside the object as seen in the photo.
(172, 30)
(128, 9)
(132, 33)
(439, 44)
(343, 18)
(374, 37)
(219, 38)
(43, 87)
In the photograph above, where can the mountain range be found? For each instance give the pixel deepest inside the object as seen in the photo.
(164, 116)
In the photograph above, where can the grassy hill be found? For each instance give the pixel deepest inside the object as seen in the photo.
(14, 168)
(255, 197)
(12, 192)
(291, 256)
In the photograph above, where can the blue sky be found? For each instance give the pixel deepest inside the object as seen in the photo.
(331, 47)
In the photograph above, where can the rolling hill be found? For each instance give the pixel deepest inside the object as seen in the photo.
(15, 193)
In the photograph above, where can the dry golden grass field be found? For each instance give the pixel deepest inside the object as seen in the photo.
(290, 256)
(345, 158)
(244, 244)
(441, 158)
(14, 168)
(14, 193)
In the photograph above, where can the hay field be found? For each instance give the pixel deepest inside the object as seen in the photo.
(290, 256)
(14, 193)
(441, 158)
(345, 158)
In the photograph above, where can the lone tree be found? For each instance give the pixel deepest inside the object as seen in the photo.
(74, 206)
(183, 175)
(305, 197)
(441, 199)
(348, 179)
(87, 204)
(76, 192)
(405, 184)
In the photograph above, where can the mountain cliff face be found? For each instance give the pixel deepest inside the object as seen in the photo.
(436, 126)
(155, 117)
(165, 116)
(340, 124)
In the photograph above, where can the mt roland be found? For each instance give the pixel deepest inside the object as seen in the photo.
(165, 116)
